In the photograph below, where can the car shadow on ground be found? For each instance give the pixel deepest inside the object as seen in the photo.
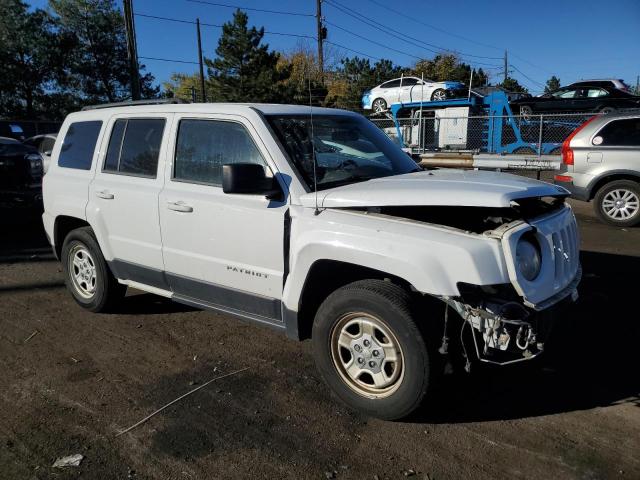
(591, 360)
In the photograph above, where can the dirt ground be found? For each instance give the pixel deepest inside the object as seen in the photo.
(70, 380)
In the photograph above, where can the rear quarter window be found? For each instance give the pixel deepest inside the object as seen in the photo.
(622, 133)
(79, 144)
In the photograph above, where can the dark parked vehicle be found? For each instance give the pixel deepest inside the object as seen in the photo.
(603, 82)
(21, 171)
(600, 99)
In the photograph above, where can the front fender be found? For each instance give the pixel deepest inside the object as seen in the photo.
(433, 259)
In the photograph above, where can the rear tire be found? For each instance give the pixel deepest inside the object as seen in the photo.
(618, 203)
(439, 94)
(87, 274)
(369, 350)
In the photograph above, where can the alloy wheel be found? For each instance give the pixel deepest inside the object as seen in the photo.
(621, 204)
(82, 271)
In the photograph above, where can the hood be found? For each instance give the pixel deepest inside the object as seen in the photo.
(445, 187)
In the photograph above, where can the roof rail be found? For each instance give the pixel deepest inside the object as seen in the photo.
(133, 103)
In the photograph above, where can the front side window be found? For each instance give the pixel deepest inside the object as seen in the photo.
(565, 94)
(407, 82)
(134, 147)
(624, 133)
(204, 146)
(79, 144)
(345, 149)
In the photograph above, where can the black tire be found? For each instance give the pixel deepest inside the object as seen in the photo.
(391, 304)
(526, 111)
(379, 105)
(607, 192)
(107, 290)
(437, 93)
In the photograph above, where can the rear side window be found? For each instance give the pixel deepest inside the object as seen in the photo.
(134, 147)
(625, 133)
(79, 144)
(203, 146)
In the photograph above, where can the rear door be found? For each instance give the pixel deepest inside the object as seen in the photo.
(123, 197)
(221, 250)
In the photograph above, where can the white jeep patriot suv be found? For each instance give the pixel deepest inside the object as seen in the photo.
(313, 222)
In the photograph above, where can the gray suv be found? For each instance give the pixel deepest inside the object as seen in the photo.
(601, 162)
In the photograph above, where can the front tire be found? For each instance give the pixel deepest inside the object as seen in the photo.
(379, 105)
(525, 112)
(87, 274)
(370, 351)
(618, 203)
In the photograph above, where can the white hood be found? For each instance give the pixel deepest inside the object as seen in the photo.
(445, 187)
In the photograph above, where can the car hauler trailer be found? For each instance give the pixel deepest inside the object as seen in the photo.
(480, 129)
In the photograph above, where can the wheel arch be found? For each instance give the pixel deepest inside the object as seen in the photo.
(324, 277)
(62, 226)
(599, 182)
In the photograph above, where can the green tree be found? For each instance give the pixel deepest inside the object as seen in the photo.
(245, 70)
(552, 85)
(354, 76)
(512, 85)
(449, 67)
(184, 86)
(98, 64)
(32, 59)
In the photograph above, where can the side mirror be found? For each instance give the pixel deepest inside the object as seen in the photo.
(249, 179)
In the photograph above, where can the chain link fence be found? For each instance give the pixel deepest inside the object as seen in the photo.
(434, 131)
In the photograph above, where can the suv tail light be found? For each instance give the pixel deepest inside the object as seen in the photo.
(567, 152)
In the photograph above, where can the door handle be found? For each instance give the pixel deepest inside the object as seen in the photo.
(104, 194)
(179, 207)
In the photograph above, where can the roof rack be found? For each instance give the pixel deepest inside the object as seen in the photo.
(133, 103)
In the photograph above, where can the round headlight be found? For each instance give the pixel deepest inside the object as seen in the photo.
(528, 259)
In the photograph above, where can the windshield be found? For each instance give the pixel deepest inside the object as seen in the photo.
(348, 149)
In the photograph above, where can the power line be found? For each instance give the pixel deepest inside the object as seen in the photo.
(169, 60)
(352, 50)
(226, 5)
(439, 29)
(371, 41)
(525, 76)
(178, 20)
(402, 35)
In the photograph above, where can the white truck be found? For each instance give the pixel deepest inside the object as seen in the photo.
(312, 221)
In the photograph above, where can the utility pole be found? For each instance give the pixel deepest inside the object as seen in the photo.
(322, 34)
(506, 66)
(637, 92)
(132, 49)
(202, 90)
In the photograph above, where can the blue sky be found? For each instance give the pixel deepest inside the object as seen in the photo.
(572, 39)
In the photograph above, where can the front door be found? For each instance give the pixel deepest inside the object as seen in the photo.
(123, 197)
(221, 250)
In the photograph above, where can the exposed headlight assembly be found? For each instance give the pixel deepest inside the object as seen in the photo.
(528, 259)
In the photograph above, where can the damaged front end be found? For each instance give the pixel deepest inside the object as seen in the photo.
(511, 322)
(502, 329)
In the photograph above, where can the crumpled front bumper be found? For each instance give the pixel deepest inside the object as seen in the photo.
(508, 331)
